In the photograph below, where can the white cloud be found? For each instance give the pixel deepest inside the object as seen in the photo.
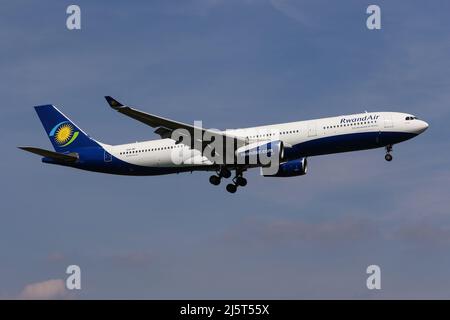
(50, 289)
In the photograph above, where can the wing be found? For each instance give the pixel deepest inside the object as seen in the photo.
(71, 157)
(165, 127)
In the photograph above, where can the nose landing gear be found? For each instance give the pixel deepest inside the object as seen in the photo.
(388, 156)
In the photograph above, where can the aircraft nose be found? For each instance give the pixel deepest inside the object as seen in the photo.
(421, 126)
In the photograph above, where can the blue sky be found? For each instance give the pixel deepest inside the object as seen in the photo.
(230, 64)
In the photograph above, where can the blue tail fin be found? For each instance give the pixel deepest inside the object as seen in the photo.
(62, 132)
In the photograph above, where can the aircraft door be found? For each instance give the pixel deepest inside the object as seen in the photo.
(107, 157)
(312, 132)
(388, 122)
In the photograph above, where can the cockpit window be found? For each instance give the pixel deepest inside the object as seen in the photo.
(411, 118)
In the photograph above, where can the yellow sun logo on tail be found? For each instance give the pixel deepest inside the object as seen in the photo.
(63, 133)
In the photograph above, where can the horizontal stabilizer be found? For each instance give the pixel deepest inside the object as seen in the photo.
(71, 157)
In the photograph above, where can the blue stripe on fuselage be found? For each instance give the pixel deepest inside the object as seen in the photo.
(347, 142)
(93, 158)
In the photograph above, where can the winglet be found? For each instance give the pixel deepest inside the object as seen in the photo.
(113, 103)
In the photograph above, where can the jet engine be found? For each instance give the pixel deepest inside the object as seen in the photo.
(293, 168)
(261, 153)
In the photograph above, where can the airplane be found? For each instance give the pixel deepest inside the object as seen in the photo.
(287, 144)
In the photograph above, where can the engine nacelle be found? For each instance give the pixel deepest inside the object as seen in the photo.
(261, 153)
(293, 168)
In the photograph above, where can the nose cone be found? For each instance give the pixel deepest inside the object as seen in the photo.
(421, 126)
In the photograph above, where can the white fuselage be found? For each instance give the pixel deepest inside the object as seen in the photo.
(307, 138)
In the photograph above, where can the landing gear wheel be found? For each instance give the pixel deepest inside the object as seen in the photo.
(241, 181)
(215, 180)
(224, 172)
(388, 155)
(389, 148)
(231, 188)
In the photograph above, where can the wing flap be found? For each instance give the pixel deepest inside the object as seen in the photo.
(164, 133)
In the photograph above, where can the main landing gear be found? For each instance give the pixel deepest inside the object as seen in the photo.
(215, 180)
(388, 155)
(238, 180)
(222, 173)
